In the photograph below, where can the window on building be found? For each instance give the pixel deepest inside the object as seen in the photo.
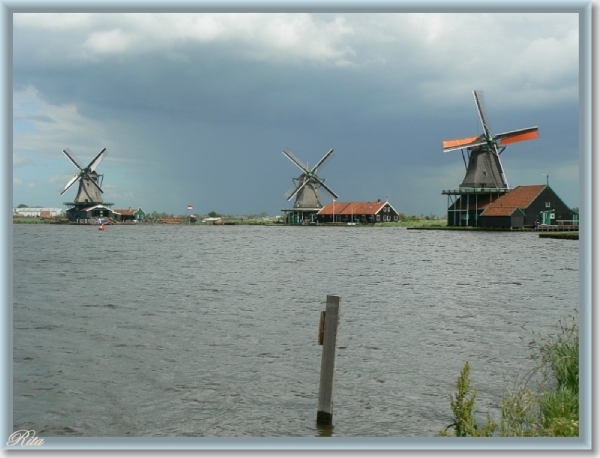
(395, 217)
(547, 204)
(378, 218)
(484, 174)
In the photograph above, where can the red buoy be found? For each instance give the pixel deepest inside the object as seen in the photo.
(101, 228)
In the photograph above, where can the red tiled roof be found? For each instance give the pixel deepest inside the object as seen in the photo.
(128, 211)
(499, 211)
(352, 208)
(521, 196)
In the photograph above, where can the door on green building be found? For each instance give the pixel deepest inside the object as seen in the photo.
(546, 217)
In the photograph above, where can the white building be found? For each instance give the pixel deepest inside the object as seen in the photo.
(37, 211)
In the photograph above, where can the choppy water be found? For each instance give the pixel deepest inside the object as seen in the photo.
(212, 330)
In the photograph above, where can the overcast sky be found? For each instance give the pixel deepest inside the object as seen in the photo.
(197, 108)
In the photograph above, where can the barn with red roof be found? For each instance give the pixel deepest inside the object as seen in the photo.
(527, 206)
(358, 212)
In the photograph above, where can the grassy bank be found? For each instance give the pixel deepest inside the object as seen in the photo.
(257, 222)
(30, 220)
(423, 224)
(548, 407)
(417, 223)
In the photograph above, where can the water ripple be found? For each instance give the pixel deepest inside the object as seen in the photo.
(212, 331)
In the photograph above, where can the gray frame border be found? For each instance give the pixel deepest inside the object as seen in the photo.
(584, 442)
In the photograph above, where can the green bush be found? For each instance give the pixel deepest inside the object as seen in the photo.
(462, 406)
(550, 408)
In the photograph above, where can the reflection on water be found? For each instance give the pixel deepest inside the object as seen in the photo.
(324, 430)
(212, 331)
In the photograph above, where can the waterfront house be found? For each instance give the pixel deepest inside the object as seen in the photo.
(358, 212)
(89, 215)
(129, 214)
(528, 206)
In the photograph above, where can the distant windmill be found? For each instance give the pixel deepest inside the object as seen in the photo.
(89, 188)
(306, 187)
(484, 169)
(88, 205)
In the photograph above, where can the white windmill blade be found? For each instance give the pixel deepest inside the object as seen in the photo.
(96, 161)
(95, 184)
(322, 183)
(71, 156)
(294, 159)
(291, 191)
(323, 160)
(502, 174)
(500, 167)
(480, 103)
(70, 183)
(298, 189)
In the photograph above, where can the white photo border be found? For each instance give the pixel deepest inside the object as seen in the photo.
(584, 442)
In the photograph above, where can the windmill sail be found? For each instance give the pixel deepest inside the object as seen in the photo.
(89, 189)
(520, 135)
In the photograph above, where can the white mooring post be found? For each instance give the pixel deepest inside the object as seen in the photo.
(329, 341)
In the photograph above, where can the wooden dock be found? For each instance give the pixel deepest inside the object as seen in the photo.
(557, 227)
(560, 235)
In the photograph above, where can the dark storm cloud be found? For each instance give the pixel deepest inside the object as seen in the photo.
(204, 112)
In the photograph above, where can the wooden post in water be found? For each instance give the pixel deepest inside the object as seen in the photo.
(332, 319)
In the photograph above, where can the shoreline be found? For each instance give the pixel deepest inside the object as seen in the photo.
(564, 235)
